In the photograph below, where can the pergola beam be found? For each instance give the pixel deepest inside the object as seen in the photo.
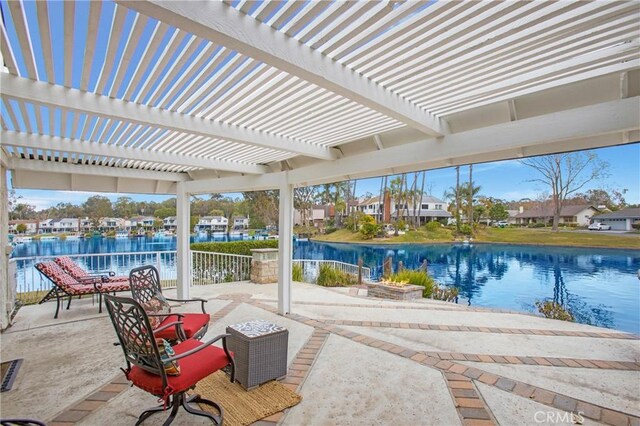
(89, 170)
(575, 129)
(54, 143)
(105, 107)
(224, 25)
(604, 118)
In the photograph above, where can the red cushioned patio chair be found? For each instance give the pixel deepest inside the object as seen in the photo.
(73, 269)
(64, 285)
(145, 289)
(147, 369)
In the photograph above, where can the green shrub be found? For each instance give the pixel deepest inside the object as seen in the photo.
(448, 294)
(234, 247)
(329, 276)
(636, 225)
(417, 277)
(369, 230)
(553, 310)
(433, 226)
(330, 230)
(536, 225)
(465, 229)
(297, 273)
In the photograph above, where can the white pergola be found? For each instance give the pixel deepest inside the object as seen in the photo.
(188, 97)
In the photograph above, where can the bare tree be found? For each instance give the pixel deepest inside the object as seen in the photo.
(566, 174)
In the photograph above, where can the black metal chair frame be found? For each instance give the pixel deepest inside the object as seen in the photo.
(145, 284)
(140, 349)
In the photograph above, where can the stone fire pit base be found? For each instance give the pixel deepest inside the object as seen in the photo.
(407, 292)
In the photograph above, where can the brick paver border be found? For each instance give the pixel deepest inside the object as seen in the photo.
(495, 330)
(540, 395)
(299, 369)
(459, 378)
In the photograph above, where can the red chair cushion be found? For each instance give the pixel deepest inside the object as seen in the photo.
(73, 269)
(191, 323)
(193, 368)
(109, 287)
(63, 280)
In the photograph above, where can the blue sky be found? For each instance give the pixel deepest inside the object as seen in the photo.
(504, 179)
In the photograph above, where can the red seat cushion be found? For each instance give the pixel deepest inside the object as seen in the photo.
(191, 323)
(193, 368)
(110, 287)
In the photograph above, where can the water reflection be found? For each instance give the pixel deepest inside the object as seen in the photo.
(599, 286)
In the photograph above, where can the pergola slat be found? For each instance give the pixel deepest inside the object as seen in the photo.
(113, 108)
(87, 148)
(24, 38)
(218, 23)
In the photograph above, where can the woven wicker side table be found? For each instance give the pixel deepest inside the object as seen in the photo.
(260, 351)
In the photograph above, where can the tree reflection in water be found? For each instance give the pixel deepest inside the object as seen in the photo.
(598, 286)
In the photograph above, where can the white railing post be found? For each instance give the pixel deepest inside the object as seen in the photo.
(183, 261)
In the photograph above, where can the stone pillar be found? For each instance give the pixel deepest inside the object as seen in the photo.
(183, 231)
(264, 266)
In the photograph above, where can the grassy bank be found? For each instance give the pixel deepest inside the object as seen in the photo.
(562, 238)
(496, 235)
(419, 236)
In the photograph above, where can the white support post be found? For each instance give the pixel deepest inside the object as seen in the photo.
(285, 247)
(6, 304)
(183, 261)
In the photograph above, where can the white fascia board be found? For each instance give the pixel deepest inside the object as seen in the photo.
(103, 106)
(89, 170)
(236, 183)
(54, 143)
(601, 119)
(222, 24)
(28, 179)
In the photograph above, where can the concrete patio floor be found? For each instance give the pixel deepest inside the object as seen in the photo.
(355, 361)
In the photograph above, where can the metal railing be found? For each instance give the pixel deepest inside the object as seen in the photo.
(206, 268)
(214, 268)
(311, 268)
(29, 280)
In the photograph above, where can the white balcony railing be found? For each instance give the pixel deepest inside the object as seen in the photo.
(206, 268)
(311, 268)
(214, 268)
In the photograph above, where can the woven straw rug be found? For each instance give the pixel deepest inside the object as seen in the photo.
(243, 407)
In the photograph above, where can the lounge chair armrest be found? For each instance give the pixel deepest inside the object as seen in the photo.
(91, 279)
(195, 299)
(204, 345)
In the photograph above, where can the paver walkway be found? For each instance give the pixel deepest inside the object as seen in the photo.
(354, 371)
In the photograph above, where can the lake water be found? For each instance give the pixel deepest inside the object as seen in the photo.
(600, 286)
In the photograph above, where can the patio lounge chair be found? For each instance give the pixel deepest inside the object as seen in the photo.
(66, 285)
(146, 290)
(73, 269)
(151, 371)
